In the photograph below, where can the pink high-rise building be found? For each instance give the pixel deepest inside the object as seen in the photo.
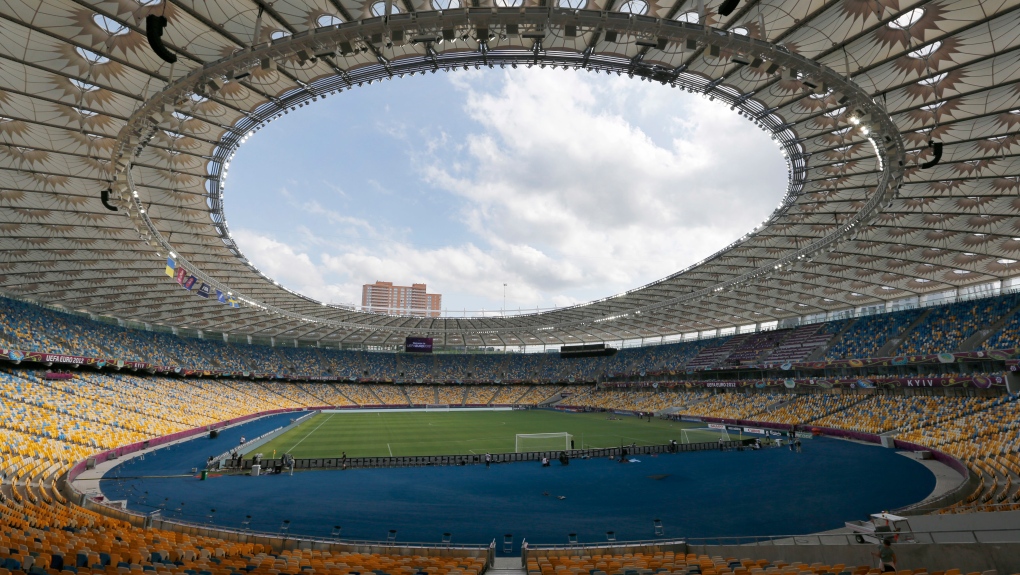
(384, 297)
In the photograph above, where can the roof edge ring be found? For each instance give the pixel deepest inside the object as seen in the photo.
(341, 42)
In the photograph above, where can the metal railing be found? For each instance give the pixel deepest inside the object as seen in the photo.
(248, 534)
(604, 544)
(442, 460)
(900, 538)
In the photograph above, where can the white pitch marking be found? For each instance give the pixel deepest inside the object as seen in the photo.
(389, 449)
(309, 433)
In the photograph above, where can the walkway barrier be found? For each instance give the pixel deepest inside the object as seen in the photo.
(476, 459)
(649, 546)
(899, 538)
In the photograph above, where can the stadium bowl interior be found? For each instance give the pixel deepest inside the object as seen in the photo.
(873, 315)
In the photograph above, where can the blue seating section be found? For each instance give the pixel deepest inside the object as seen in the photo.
(867, 335)
(30, 327)
(947, 327)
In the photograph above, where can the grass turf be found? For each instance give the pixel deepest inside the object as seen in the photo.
(456, 433)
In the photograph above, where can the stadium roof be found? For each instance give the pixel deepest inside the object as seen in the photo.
(83, 101)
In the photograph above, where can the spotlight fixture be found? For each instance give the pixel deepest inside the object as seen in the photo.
(154, 26)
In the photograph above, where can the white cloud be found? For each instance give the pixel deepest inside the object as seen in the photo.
(588, 186)
(292, 268)
(572, 186)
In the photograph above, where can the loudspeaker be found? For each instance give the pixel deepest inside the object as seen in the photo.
(105, 197)
(936, 148)
(154, 32)
(214, 434)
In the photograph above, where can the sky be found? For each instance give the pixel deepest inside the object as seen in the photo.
(566, 186)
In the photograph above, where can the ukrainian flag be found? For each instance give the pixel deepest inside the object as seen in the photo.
(171, 266)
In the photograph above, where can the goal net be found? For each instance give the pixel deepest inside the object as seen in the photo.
(437, 407)
(543, 442)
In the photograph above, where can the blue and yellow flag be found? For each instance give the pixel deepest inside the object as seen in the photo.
(171, 267)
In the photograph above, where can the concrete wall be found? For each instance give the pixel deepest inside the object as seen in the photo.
(968, 557)
(279, 542)
(677, 547)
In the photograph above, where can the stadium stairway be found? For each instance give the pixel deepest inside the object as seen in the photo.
(819, 354)
(372, 392)
(779, 404)
(493, 396)
(890, 346)
(506, 566)
(979, 337)
(553, 399)
(319, 398)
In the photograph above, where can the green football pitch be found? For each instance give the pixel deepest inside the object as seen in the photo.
(375, 434)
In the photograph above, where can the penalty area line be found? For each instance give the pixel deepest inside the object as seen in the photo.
(388, 448)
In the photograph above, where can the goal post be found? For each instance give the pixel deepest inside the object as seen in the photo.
(526, 442)
(433, 407)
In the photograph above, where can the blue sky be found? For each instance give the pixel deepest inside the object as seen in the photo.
(567, 186)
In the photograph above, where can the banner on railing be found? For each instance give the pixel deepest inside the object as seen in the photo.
(977, 381)
(65, 359)
(917, 359)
